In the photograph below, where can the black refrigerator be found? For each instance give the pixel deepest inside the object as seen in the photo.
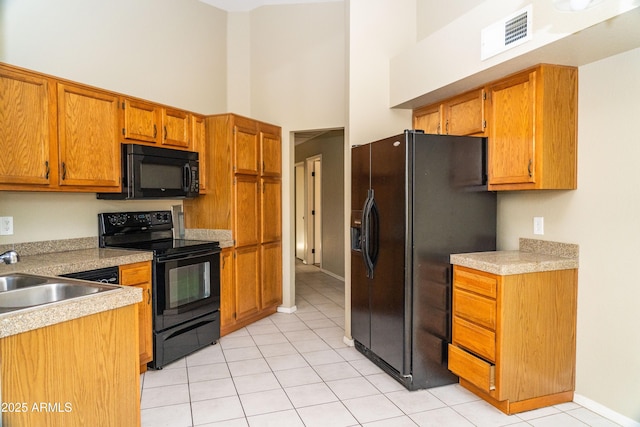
(415, 198)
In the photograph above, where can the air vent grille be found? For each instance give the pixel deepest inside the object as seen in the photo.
(507, 33)
(516, 29)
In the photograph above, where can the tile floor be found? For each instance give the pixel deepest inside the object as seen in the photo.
(295, 370)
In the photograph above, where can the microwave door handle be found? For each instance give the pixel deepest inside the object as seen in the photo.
(186, 177)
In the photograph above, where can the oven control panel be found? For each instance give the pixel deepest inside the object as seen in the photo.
(115, 222)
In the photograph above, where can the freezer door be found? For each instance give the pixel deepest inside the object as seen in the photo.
(388, 286)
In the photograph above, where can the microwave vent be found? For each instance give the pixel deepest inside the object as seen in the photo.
(507, 33)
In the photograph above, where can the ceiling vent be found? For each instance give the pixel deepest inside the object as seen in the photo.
(507, 33)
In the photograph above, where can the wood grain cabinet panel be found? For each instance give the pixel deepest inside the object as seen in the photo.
(464, 114)
(141, 120)
(176, 128)
(199, 145)
(89, 146)
(139, 275)
(533, 130)
(527, 360)
(429, 119)
(28, 138)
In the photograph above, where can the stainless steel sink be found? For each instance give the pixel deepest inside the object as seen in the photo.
(18, 291)
(17, 281)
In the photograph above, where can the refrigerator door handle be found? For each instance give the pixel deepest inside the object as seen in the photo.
(374, 233)
(366, 234)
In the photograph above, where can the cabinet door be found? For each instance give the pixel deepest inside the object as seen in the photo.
(271, 261)
(246, 211)
(270, 151)
(227, 289)
(199, 144)
(141, 120)
(27, 128)
(245, 142)
(271, 211)
(464, 114)
(247, 282)
(139, 275)
(511, 130)
(175, 128)
(89, 148)
(429, 119)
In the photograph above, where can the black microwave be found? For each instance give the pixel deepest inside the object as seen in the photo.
(156, 173)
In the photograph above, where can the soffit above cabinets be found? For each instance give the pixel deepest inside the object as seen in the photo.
(249, 5)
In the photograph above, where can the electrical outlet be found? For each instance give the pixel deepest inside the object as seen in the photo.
(538, 225)
(6, 225)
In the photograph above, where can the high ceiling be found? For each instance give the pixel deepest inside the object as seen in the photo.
(247, 5)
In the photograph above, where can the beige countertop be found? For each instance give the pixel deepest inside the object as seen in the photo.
(533, 256)
(71, 261)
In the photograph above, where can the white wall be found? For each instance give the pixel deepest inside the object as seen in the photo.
(168, 51)
(297, 82)
(603, 217)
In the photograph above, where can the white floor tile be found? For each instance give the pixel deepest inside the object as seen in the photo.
(403, 421)
(290, 361)
(481, 414)
(256, 382)
(276, 419)
(262, 329)
(440, 417)
(310, 394)
(165, 377)
(206, 356)
(167, 416)
(453, 394)
(372, 408)
(311, 345)
(238, 422)
(336, 371)
(280, 349)
(591, 418)
(213, 389)
(322, 357)
(556, 420)
(297, 376)
(351, 388)
(244, 353)
(248, 367)
(265, 402)
(154, 397)
(384, 382)
(236, 342)
(330, 414)
(214, 371)
(275, 338)
(216, 410)
(411, 402)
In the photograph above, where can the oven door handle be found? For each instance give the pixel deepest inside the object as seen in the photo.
(190, 255)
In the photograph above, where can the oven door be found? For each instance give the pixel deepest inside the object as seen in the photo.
(186, 286)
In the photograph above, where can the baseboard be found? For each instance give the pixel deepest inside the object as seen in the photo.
(288, 310)
(608, 413)
(335, 276)
(348, 341)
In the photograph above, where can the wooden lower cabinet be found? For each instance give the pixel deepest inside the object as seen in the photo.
(514, 337)
(81, 372)
(139, 275)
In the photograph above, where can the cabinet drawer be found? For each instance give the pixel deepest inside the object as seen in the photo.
(135, 274)
(474, 338)
(475, 308)
(474, 281)
(471, 368)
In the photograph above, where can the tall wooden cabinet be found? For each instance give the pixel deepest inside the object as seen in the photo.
(514, 336)
(243, 159)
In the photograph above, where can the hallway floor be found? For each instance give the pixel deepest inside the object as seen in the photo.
(295, 370)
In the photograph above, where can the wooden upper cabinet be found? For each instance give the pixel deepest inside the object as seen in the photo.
(89, 148)
(270, 152)
(141, 120)
(533, 130)
(464, 114)
(27, 129)
(461, 115)
(199, 144)
(151, 123)
(246, 143)
(175, 128)
(429, 119)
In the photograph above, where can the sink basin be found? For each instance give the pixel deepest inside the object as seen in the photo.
(17, 281)
(18, 291)
(43, 294)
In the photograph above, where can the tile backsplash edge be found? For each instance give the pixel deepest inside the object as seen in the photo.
(48, 246)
